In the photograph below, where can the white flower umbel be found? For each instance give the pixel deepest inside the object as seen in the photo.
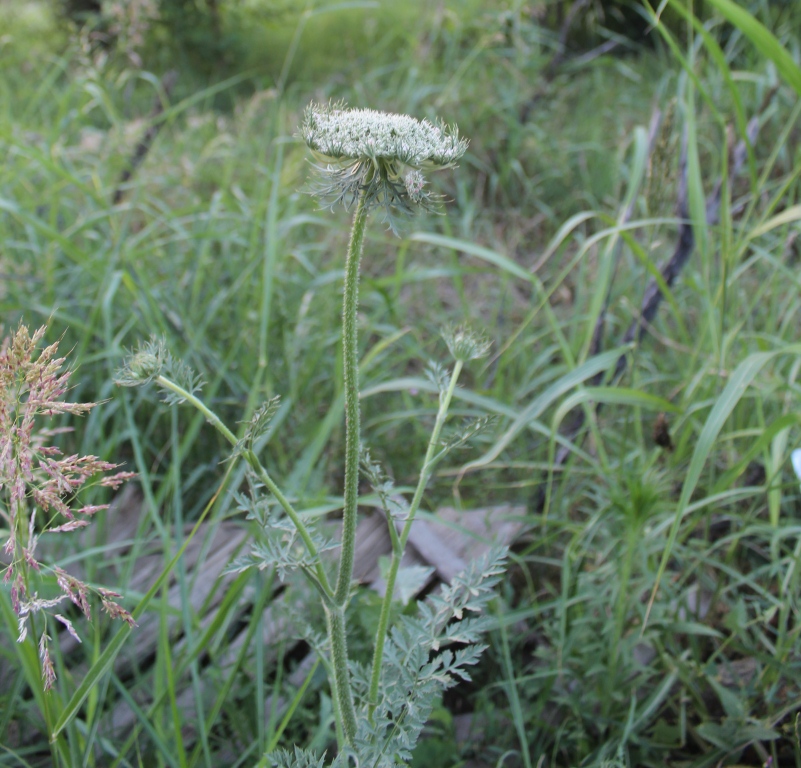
(377, 156)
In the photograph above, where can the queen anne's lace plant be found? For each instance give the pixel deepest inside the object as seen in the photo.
(40, 488)
(371, 160)
(377, 156)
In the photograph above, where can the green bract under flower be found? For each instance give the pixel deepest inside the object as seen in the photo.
(377, 155)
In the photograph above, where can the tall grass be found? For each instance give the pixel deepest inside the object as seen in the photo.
(653, 614)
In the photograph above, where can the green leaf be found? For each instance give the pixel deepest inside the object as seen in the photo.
(763, 39)
(732, 704)
(485, 254)
(614, 396)
(787, 216)
(560, 387)
(608, 262)
(692, 628)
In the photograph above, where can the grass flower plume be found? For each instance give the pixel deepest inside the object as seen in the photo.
(377, 155)
(40, 488)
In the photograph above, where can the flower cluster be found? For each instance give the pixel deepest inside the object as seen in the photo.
(378, 156)
(39, 487)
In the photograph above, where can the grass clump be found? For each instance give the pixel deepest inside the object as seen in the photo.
(649, 615)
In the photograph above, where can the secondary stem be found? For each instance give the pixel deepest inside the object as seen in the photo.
(397, 554)
(262, 473)
(211, 417)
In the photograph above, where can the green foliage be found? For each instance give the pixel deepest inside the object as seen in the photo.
(418, 665)
(211, 237)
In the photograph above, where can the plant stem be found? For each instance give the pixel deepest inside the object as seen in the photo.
(621, 606)
(400, 544)
(337, 633)
(350, 357)
(335, 614)
(262, 473)
(211, 417)
(335, 601)
(293, 515)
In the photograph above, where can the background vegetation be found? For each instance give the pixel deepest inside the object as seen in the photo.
(652, 614)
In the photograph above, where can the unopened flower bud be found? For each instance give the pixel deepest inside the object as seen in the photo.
(465, 344)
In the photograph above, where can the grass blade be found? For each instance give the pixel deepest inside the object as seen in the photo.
(106, 659)
(739, 382)
(763, 39)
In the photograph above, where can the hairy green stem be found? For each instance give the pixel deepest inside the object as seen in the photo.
(399, 544)
(337, 629)
(350, 358)
(337, 633)
(293, 515)
(211, 417)
(262, 473)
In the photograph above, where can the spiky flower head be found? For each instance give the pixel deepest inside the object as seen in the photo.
(150, 362)
(378, 155)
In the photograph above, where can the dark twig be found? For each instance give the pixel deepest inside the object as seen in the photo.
(596, 344)
(561, 56)
(561, 50)
(146, 142)
(669, 271)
